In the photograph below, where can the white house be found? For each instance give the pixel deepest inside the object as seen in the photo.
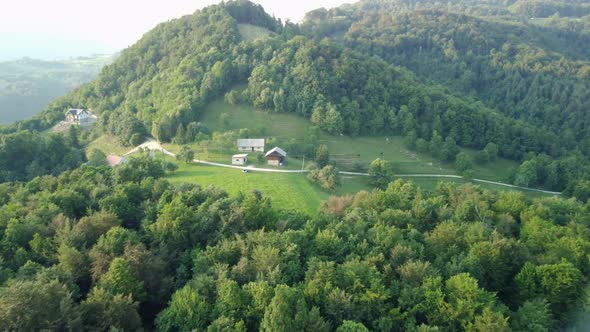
(80, 117)
(251, 144)
(239, 159)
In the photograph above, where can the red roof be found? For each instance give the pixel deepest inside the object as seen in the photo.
(114, 160)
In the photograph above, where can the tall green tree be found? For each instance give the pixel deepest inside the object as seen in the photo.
(122, 279)
(381, 172)
(38, 305)
(322, 156)
(187, 311)
(286, 312)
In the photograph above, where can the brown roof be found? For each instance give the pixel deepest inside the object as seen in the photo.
(276, 150)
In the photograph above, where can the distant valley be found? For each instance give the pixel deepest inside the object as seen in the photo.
(27, 85)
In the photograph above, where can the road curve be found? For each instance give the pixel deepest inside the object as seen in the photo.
(152, 144)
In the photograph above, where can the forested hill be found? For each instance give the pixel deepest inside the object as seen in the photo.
(528, 60)
(101, 249)
(94, 248)
(527, 69)
(351, 82)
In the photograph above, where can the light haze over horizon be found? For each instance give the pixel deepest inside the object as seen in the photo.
(62, 29)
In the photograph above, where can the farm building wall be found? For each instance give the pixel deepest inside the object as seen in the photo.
(251, 148)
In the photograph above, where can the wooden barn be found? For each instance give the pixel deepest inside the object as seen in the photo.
(251, 144)
(239, 159)
(276, 156)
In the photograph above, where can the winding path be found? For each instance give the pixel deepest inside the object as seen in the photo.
(152, 145)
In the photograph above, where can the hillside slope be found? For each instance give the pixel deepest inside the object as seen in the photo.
(526, 68)
(536, 73)
(160, 85)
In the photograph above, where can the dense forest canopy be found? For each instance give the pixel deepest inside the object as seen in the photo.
(98, 249)
(88, 247)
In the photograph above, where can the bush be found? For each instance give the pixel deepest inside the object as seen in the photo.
(463, 162)
(328, 177)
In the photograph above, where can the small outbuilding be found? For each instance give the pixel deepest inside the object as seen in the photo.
(251, 144)
(276, 156)
(239, 159)
(114, 160)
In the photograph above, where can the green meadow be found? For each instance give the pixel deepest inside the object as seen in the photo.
(287, 190)
(347, 152)
(292, 190)
(107, 144)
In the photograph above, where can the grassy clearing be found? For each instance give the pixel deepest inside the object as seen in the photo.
(292, 190)
(280, 125)
(251, 32)
(107, 144)
(346, 152)
(287, 190)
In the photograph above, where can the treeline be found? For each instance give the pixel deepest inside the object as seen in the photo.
(25, 154)
(503, 64)
(101, 249)
(545, 8)
(321, 81)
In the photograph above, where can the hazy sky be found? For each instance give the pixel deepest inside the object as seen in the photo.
(56, 29)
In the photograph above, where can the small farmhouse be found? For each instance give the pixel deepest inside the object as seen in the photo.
(239, 159)
(251, 144)
(114, 160)
(276, 156)
(80, 117)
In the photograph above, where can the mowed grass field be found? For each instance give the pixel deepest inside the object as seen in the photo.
(280, 125)
(292, 190)
(287, 190)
